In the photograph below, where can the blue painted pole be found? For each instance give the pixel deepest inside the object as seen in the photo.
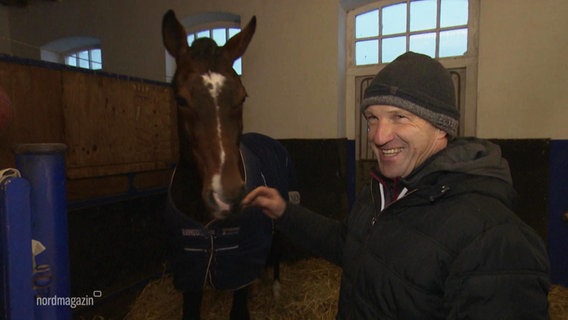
(16, 250)
(43, 165)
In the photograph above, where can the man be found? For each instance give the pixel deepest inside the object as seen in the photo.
(434, 234)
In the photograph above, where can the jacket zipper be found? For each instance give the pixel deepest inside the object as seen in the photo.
(378, 213)
(375, 218)
(372, 222)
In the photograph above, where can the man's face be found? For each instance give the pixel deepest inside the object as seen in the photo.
(401, 140)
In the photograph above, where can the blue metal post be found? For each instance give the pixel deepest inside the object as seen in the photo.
(15, 236)
(43, 165)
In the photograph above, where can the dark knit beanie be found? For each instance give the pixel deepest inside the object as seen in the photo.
(419, 84)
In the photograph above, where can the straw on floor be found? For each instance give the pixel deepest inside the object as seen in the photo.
(309, 291)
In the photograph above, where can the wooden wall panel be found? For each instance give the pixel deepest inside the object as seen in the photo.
(152, 179)
(35, 93)
(115, 126)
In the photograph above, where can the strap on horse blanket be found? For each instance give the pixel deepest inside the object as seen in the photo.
(229, 254)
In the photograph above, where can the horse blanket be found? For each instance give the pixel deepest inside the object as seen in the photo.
(229, 254)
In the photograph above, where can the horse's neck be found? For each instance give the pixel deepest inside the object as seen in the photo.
(186, 192)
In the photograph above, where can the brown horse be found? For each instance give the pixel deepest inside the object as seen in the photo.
(215, 242)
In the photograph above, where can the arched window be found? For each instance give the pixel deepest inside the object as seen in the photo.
(82, 52)
(218, 26)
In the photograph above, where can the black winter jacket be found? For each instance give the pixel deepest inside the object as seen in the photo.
(450, 248)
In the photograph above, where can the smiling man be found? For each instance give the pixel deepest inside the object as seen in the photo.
(401, 140)
(434, 234)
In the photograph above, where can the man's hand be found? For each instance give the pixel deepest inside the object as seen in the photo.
(267, 199)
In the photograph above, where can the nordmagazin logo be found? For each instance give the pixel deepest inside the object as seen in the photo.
(71, 302)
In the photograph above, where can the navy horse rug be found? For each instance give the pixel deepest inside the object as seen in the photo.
(229, 254)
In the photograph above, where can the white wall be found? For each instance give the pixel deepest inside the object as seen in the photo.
(523, 69)
(293, 84)
(294, 70)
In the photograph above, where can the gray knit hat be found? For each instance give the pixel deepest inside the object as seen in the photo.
(419, 84)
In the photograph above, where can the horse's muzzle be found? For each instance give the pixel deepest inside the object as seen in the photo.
(224, 207)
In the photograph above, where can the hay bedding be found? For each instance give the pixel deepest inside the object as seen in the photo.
(558, 299)
(309, 290)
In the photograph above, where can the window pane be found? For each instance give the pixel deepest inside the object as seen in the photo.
(453, 13)
(190, 38)
(423, 15)
(83, 55)
(424, 43)
(72, 60)
(238, 66)
(83, 59)
(394, 19)
(233, 31)
(203, 34)
(392, 48)
(96, 66)
(96, 55)
(367, 24)
(84, 63)
(453, 42)
(366, 52)
(220, 36)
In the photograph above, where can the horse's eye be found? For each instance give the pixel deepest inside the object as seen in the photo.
(181, 101)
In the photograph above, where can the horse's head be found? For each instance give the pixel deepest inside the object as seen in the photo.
(210, 98)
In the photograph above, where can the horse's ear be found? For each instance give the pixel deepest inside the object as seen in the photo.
(173, 34)
(237, 45)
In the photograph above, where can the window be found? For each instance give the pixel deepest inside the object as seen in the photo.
(438, 28)
(87, 59)
(220, 35)
(82, 52)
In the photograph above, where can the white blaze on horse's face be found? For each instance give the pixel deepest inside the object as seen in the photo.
(214, 82)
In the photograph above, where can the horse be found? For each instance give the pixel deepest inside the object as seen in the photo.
(216, 241)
